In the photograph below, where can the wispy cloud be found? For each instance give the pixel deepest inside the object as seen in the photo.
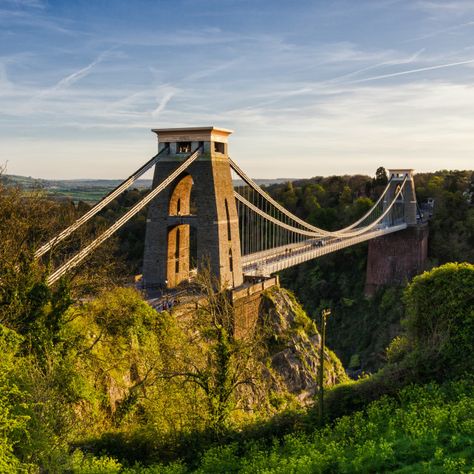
(413, 71)
(441, 31)
(178, 38)
(209, 71)
(168, 95)
(454, 7)
(24, 3)
(72, 78)
(391, 62)
(26, 19)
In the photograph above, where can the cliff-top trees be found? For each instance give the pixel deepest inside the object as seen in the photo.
(214, 360)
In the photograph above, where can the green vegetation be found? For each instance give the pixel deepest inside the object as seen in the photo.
(436, 343)
(440, 320)
(337, 280)
(427, 429)
(93, 380)
(76, 190)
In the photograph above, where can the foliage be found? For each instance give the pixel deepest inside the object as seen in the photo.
(436, 344)
(425, 429)
(337, 280)
(452, 225)
(440, 319)
(78, 463)
(13, 420)
(221, 365)
(164, 385)
(39, 378)
(397, 349)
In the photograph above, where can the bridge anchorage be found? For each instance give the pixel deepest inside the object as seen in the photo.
(198, 217)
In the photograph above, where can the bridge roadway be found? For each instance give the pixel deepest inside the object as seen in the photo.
(270, 261)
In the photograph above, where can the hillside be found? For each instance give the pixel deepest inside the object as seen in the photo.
(86, 190)
(92, 379)
(91, 190)
(413, 434)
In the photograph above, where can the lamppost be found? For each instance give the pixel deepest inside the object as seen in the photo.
(324, 314)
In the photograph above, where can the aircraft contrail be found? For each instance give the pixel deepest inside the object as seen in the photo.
(412, 71)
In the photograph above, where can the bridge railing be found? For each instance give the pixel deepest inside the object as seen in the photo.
(265, 265)
(265, 228)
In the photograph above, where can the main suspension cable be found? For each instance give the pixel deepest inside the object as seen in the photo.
(74, 261)
(296, 230)
(288, 214)
(100, 205)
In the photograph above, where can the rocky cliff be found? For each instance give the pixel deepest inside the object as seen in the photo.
(293, 347)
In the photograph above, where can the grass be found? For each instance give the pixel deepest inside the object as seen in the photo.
(424, 429)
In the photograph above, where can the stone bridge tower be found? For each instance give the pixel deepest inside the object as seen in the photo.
(408, 195)
(395, 258)
(199, 203)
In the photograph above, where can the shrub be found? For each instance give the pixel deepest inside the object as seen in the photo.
(13, 422)
(426, 429)
(440, 319)
(397, 349)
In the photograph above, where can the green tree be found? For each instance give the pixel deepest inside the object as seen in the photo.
(13, 402)
(381, 177)
(289, 198)
(346, 195)
(44, 366)
(440, 319)
(215, 360)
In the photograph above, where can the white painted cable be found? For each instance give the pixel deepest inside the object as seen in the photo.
(322, 232)
(100, 205)
(74, 261)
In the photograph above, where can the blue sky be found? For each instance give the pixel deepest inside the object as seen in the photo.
(309, 87)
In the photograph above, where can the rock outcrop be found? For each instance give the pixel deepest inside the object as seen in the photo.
(294, 346)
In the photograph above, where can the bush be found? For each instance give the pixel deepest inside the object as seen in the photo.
(440, 320)
(397, 349)
(426, 429)
(86, 464)
(13, 421)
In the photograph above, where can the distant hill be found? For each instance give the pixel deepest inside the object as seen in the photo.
(29, 182)
(92, 190)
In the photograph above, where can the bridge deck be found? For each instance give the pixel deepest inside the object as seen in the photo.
(270, 261)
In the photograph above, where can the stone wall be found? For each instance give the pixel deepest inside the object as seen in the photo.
(396, 258)
(246, 301)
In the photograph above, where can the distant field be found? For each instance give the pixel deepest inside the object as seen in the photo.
(85, 194)
(87, 190)
(92, 190)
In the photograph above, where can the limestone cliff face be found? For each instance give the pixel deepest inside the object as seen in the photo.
(294, 344)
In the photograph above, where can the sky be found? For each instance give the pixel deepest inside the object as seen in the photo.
(309, 88)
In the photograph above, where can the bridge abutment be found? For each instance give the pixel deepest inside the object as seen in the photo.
(246, 302)
(395, 258)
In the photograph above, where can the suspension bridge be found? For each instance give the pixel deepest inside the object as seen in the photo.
(198, 216)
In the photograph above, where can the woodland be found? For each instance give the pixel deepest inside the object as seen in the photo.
(94, 380)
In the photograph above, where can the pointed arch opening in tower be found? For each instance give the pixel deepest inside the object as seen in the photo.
(179, 231)
(180, 196)
(227, 216)
(231, 261)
